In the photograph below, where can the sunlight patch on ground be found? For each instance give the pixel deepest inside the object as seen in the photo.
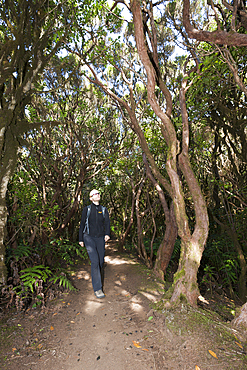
(153, 292)
(92, 306)
(136, 299)
(118, 261)
(136, 307)
(82, 275)
(149, 296)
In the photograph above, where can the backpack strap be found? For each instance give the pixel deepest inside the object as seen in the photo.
(103, 211)
(86, 228)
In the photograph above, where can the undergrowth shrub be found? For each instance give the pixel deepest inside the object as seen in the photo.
(156, 244)
(67, 251)
(220, 268)
(31, 282)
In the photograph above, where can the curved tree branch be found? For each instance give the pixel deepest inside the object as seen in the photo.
(231, 38)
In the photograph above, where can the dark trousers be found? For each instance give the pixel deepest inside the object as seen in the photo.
(96, 252)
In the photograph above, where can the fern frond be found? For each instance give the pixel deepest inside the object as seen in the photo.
(63, 281)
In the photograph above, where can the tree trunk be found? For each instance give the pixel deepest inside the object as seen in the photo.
(242, 318)
(125, 234)
(8, 155)
(192, 245)
(154, 232)
(141, 246)
(33, 235)
(185, 280)
(167, 245)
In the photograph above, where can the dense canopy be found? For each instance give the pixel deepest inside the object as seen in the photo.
(145, 101)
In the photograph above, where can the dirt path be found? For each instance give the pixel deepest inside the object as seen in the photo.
(119, 332)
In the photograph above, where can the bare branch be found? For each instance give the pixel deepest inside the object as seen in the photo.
(217, 37)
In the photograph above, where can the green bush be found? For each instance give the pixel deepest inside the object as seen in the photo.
(30, 279)
(67, 251)
(220, 264)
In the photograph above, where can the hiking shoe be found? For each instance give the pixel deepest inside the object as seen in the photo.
(99, 294)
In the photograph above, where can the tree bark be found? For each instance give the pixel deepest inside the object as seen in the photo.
(192, 245)
(241, 320)
(140, 244)
(8, 155)
(231, 38)
(125, 234)
(167, 245)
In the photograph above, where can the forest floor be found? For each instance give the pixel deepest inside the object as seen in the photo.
(122, 331)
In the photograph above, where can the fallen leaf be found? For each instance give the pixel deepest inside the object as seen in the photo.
(51, 328)
(197, 368)
(54, 314)
(239, 344)
(78, 313)
(68, 304)
(212, 354)
(145, 349)
(40, 346)
(136, 344)
(13, 349)
(72, 322)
